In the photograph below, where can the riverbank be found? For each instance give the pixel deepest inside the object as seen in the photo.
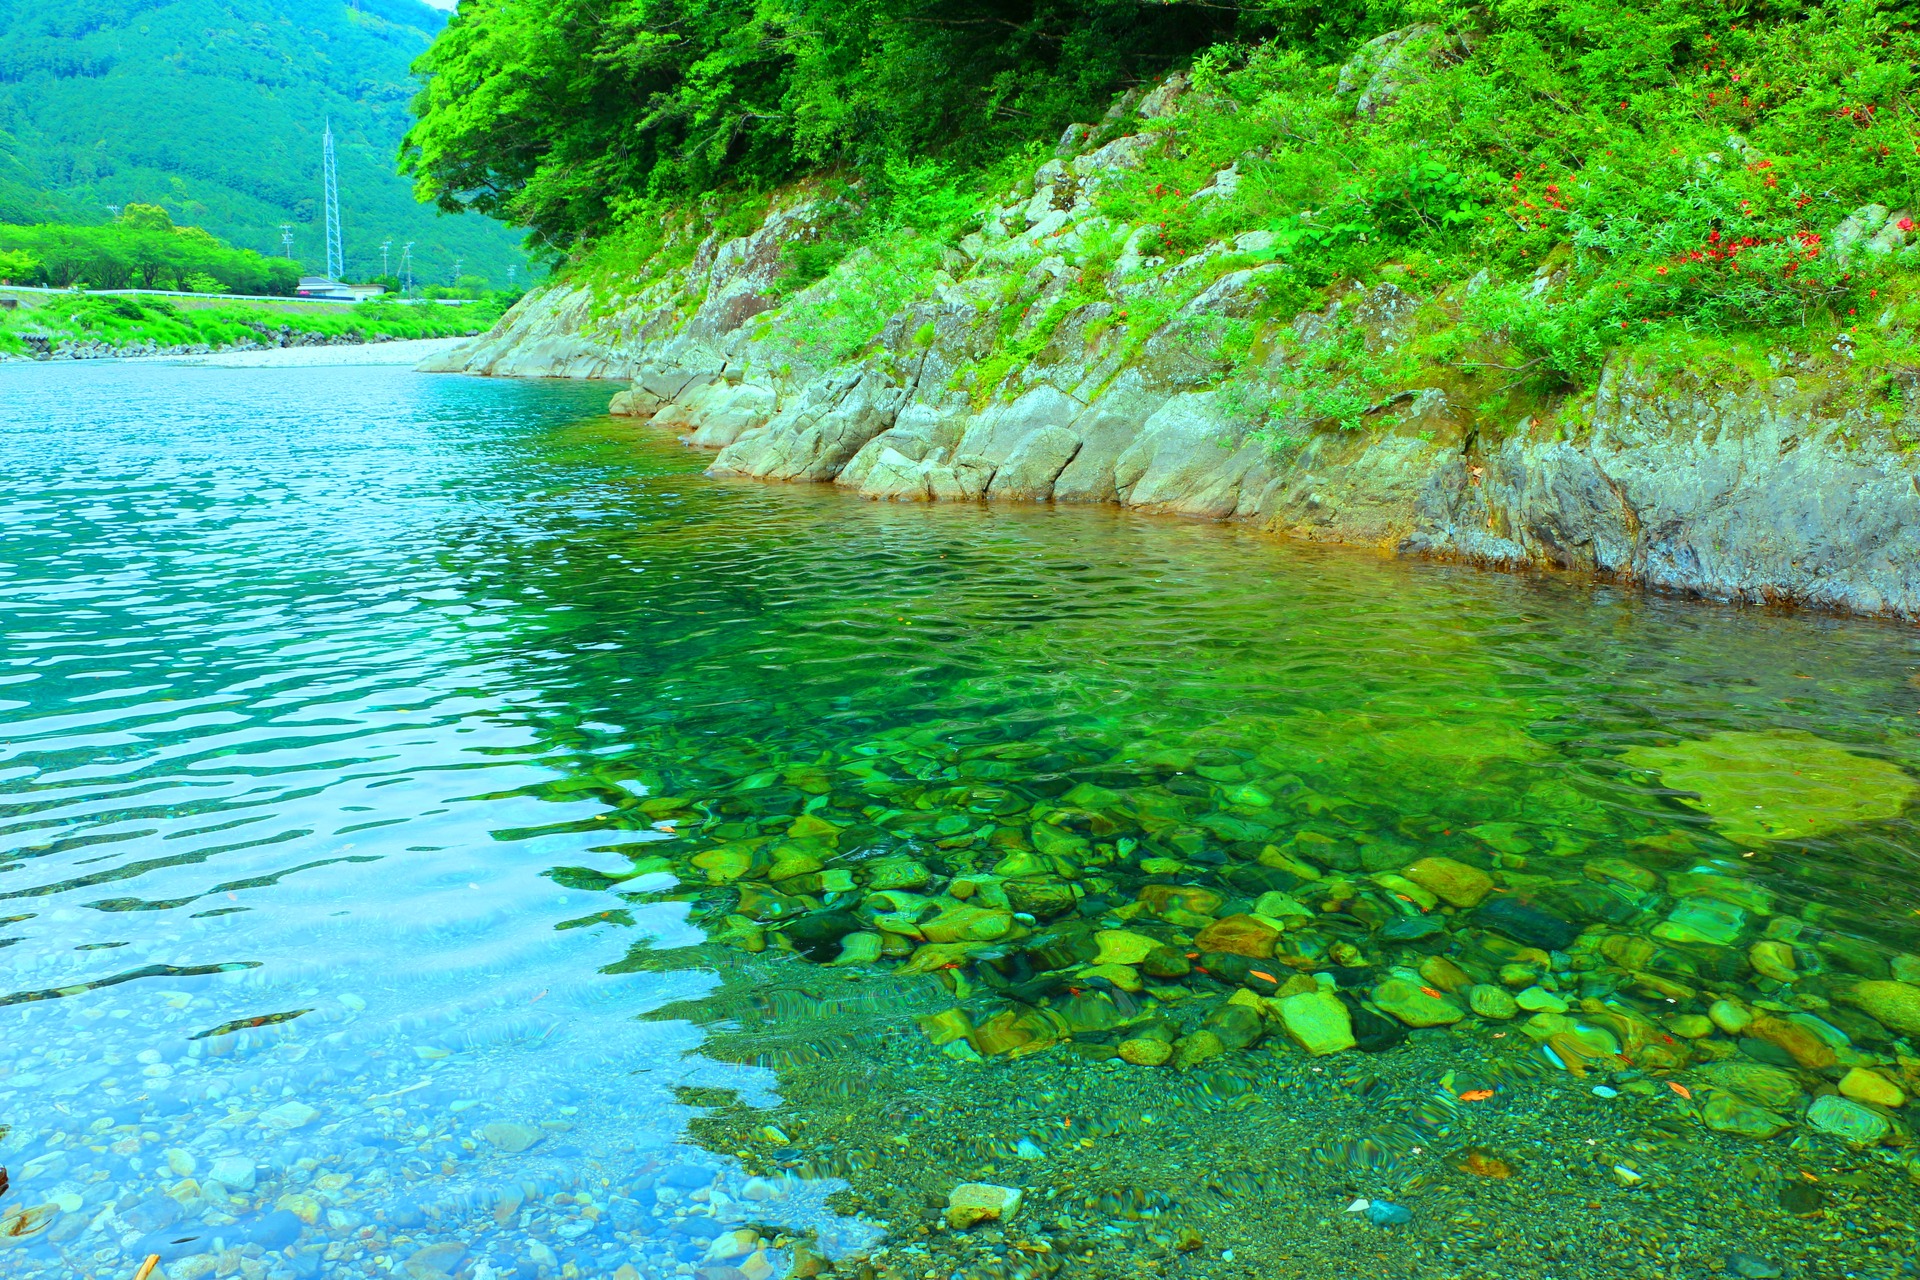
(87, 326)
(1113, 329)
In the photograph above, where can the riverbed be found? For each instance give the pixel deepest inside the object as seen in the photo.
(442, 832)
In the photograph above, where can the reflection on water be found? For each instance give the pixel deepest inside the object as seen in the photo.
(425, 800)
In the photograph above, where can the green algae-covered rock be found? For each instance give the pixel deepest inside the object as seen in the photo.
(1456, 882)
(1318, 1022)
(1895, 1005)
(1413, 1006)
(1765, 1086)
(1779, 785)
(1847, 1120)
(1725, 1113)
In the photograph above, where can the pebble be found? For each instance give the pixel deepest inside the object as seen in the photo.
(976, 1202)
(511, 1138)
(1413, 1006)
(1490, 1001)
(1863, 1085)
(1382, 1214)
(1847, 1120)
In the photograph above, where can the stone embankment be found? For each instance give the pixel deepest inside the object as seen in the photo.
(1769, 489)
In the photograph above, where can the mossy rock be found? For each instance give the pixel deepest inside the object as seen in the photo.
(1780, 784)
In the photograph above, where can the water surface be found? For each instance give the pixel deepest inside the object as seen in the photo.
(361, 728)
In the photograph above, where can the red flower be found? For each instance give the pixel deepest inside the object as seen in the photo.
(1905, 224)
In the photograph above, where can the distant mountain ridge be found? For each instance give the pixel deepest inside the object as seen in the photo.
(214, 109)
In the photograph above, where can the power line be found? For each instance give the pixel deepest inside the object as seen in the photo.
(330, 182)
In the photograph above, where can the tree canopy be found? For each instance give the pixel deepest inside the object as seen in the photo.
(561, 114)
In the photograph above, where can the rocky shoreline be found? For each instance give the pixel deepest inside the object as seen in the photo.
(1774, 487)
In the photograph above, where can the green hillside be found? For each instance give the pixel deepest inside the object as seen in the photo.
(213, 109)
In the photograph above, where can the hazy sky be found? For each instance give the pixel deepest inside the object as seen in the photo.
(441, 4)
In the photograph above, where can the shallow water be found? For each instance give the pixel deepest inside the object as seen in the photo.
(335, 701)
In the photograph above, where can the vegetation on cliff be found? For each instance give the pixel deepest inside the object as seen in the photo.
(1548, 181)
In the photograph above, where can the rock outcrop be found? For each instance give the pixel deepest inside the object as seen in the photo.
(1743, 489)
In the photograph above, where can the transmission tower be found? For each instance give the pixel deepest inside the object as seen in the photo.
(336, 256)
(456, 273)
(385, 245)
(286, 237)
(406, 269)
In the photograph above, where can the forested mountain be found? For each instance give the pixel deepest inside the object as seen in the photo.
(213, 109)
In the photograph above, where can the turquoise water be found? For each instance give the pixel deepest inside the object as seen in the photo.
(415, 786)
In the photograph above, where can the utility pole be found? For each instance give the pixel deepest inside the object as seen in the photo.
(406, 269)
(286, 238)
(330, 183)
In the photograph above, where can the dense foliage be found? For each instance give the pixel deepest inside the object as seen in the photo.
(214, 109)
(141, 249)
(564, 115)
(1604, 169)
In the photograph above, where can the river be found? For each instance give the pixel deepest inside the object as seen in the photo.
(416, 788)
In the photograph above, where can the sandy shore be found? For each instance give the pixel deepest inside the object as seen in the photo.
(407, 352)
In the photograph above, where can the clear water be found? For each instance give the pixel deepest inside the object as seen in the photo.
(341, 705)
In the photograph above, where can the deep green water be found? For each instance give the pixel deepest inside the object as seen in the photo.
(352, 698)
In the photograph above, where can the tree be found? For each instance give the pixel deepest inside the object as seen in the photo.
(17, 266)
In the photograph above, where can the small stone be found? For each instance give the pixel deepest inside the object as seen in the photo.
(1445, 974)
(436, 1261)
(1457, 883)
(1413, 1006)
(1867, 1086)
(974, 1202)
(1769, 1087)
(182, 1163)
(1729, 1017)
(1238, 935)
(235, 1172)
(1122, 946)
(1797, 1041)
(729, 1245)
(1144, 1052)
(1725, 1113)
(1201, 1046)
(968, 924)
(1847, 1120)
(509, 1137)
(1773, 960)
(1540, 1000)
(1317, 1021)
(1895, 1005)
(1690, 1026)
(723, 865)
(303, 1207)
(1749, 1267)
(1382, 1214)
(1491, 1002)
(1526, 923)
(1125, 977)
(289, 1115)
